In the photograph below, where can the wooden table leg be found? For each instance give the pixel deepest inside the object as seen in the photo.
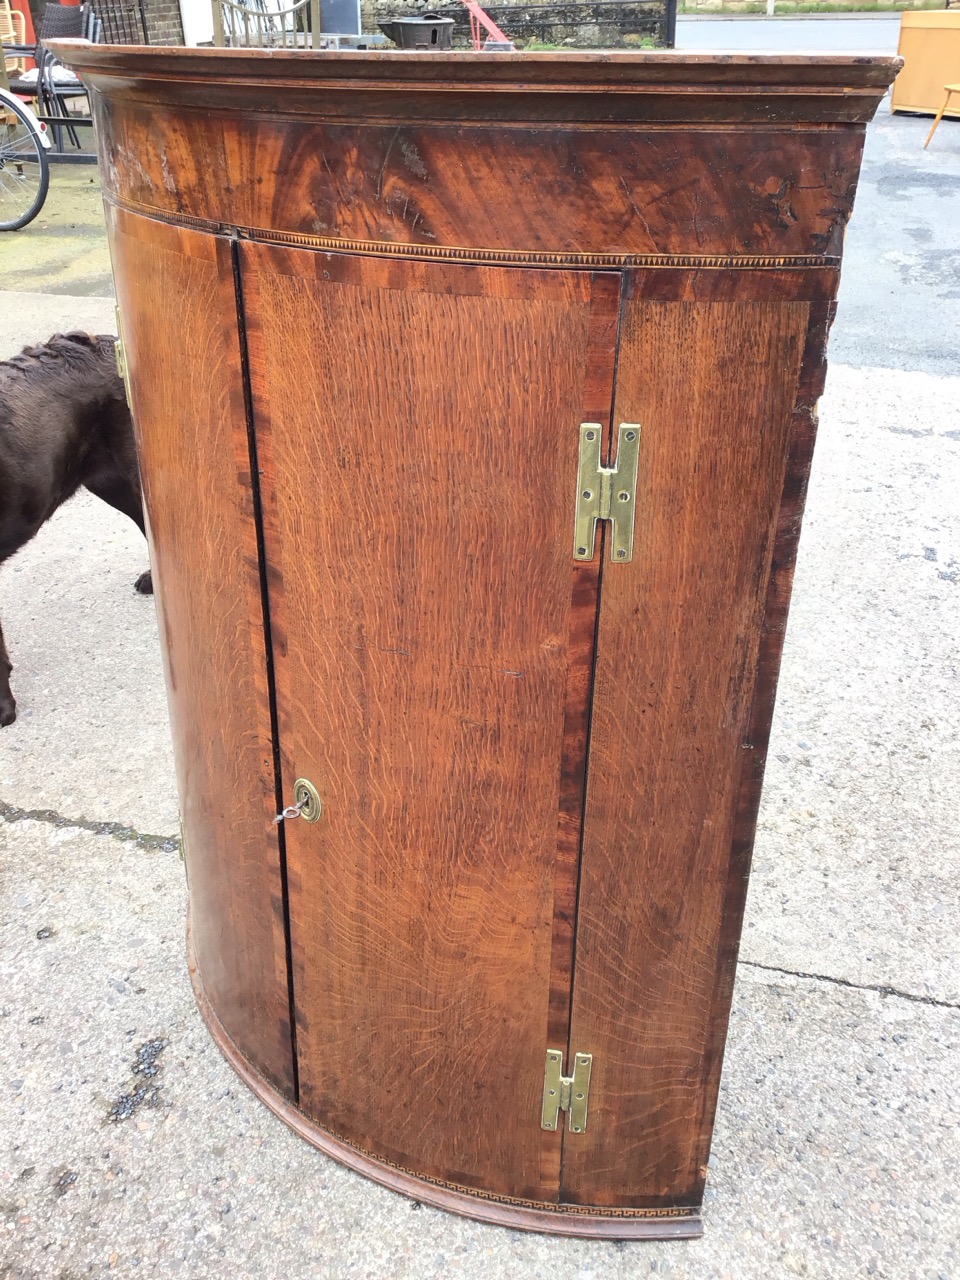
(939, 116)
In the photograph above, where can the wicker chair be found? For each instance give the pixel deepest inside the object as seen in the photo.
(54, 87)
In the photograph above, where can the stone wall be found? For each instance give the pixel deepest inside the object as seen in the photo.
(578, 24)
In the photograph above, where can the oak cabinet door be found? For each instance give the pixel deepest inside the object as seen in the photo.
(713, 384)
(417, 428)
(175, 287)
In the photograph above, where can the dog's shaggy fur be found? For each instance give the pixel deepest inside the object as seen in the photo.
(64, 423)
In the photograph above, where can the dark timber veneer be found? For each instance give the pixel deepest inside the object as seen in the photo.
(368, 301)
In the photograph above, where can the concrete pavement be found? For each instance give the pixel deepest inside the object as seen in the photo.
(64, 250)
(128, 1147)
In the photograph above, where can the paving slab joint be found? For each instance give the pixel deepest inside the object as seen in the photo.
(881, 989)
(165, 844)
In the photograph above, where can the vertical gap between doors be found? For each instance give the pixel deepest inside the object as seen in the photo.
(601, 549)
(268, 650)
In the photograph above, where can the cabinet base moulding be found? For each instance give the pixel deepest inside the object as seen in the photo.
(564, 1220)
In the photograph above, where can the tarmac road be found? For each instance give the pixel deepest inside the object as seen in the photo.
(803, 33)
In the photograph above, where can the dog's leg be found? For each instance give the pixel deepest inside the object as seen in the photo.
(119, 493)
(8, 707)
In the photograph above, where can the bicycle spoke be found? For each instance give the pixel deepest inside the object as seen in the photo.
(23, 169)
(19, 193)
(18, 183)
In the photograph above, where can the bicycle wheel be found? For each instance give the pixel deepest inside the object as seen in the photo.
(24, 168)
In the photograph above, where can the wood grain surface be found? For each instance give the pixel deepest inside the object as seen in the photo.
(584, 153)
(419, 448)
(599, 376)
(575, 86)
(502, 1210)
(368, 300)
(653, 190)
(713, 385)
(176, 294)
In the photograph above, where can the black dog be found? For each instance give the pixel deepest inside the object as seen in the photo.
(64, 423)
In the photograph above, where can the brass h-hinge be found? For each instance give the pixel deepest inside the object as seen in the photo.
(607, 493)
(566, 1093)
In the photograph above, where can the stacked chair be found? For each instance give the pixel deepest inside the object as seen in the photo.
(52, 85)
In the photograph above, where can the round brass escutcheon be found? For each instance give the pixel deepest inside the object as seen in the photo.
(307, 797)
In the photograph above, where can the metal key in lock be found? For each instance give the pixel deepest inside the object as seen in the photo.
(307, 803)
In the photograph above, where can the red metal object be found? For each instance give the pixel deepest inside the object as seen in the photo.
(480, 21)
(30, 35)
(23, 7)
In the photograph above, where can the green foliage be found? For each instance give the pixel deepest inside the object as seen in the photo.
(532, 45)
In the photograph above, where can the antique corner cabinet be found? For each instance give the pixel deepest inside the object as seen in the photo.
(476, 398)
